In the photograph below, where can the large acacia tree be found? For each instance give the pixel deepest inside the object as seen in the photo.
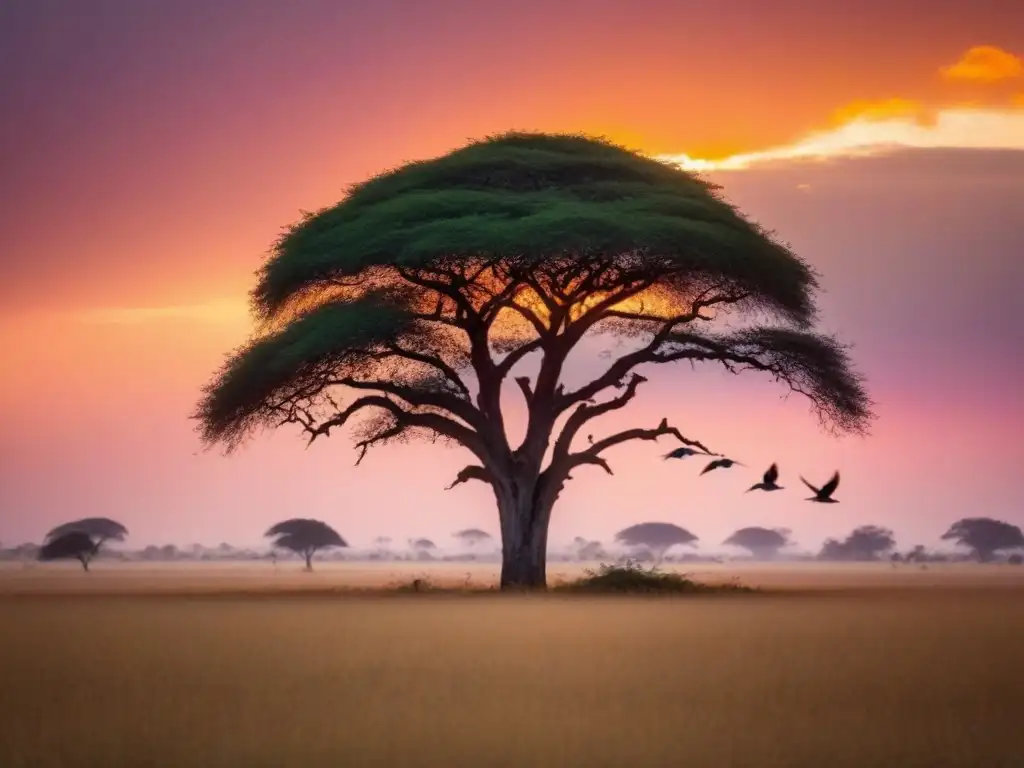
(403, 309)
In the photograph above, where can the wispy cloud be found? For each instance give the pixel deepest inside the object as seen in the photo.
(985, 63)
(222, 311)
(874, 131)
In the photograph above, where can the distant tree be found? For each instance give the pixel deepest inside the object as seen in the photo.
(1015, 559)
(169, 552)
(658, 538)
(762, 543)
(867, 543)
(588, 551)
(919, 554)
(305, 537)
(472, 537)
(415, 297)
(76, 545)
(984, 536)
(382, 542)
(98, 530)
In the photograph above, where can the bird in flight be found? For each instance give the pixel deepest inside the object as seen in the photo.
(684, 452)
(724, 463)
(823, 495)
(769, 482)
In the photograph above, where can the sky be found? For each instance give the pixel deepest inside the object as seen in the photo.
(151, 152)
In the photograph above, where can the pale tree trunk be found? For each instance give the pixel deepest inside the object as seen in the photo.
(309, 558)
(524, 516)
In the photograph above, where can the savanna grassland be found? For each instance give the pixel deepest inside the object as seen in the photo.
(230, 666)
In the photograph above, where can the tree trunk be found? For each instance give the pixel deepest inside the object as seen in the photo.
(309, 559)
(85, 563)
(524, 536)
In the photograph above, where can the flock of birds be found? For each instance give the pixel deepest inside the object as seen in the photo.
(770, 481)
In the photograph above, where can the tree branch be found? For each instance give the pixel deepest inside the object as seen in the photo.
(592, 455)
(404, 419)
(433, 361)
(586, 413)
(472, 472)
(524, 385)
(646, 354)
(456, 406)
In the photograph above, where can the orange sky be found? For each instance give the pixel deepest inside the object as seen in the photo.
(154, 153)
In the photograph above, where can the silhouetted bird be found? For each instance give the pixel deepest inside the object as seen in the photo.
(823, 495)
(685, 452)
(769, 482)
(724, 463)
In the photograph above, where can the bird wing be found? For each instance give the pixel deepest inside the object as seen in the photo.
(816, 490)
(830, 487)
(678, 453)
(713, 465)
(772, 474)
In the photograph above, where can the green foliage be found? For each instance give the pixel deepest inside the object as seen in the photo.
(634, 578)
(329, 340)
(534, 199)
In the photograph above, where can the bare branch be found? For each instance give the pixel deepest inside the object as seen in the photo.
(472, 472)
(586, 413)
(524, 385)
(592, 455)
(648, 353)
(447, 402)
(509, 361)
(404, 419)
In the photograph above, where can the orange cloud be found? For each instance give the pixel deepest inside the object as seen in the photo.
(879, 110)
(985, 63)
(949, 128)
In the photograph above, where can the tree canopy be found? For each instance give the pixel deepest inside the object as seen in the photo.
(472, 537)
(99, 528)
(305, 536)
(72, 544)
(403, 309)
(868, 542)
(760, 542)
(985, 536)
(656, 537)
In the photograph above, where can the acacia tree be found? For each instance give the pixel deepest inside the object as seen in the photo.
(81, 539)
(658, 538)
(76, 545)
(985, 536)
(405, 308)
(866, 543)
(472, 537)
(305, 537)
(762, 543)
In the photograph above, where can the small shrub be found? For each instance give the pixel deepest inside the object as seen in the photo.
(1015, 559)
(634, 578)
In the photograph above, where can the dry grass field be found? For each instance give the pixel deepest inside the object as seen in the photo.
(235, 666)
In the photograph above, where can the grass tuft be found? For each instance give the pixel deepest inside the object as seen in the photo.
(634, 578)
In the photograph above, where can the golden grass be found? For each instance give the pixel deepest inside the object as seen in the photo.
(886, 677)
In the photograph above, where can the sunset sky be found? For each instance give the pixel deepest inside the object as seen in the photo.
(150, 153)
